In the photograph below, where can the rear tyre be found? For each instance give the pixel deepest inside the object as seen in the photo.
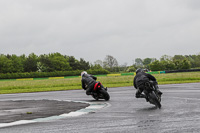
(95, 97)
(105, 95)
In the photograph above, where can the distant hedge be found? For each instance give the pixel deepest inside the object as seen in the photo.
(185, 70)
(50, 74)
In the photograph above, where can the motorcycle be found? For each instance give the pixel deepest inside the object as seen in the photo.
(152, 95)
(99, 92)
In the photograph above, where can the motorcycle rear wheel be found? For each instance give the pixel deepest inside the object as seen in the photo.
(95, 97)
(105, 94)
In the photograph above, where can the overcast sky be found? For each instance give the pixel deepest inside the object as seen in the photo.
(92, 29)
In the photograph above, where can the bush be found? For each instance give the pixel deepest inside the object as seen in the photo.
(98, 71)
(50, 74)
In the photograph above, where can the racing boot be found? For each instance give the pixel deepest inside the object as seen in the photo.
(139, 95)
(157, 90)
(144, 96)
(147, 99)
(106, 89)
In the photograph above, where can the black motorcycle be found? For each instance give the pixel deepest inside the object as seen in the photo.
(99, 92)
(152, 95)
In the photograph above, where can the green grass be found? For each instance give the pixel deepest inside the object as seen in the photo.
(22, 86)
(175, 78)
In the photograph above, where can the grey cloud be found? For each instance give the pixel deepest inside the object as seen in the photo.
(92, 29)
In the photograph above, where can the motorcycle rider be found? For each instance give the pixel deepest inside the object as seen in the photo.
(139, 83)
(88, 81)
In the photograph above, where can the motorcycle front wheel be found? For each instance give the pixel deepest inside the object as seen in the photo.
(154, 99)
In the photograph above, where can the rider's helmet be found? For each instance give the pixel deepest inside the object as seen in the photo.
(82, 73)
(139, 70)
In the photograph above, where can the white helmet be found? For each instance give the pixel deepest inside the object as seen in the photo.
(82, 73)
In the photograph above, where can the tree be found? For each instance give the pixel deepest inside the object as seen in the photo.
(123, 67)
(195, 62)
(138, 62)
(166, 58)
(167, 65)
(110, 63)
(198, 61)
(156, 66)
(44, 64)
(6, 65)
(23, 60)
(84, 65)
(59, 62)
(99, 62)
(178, 57)
(17, 63)
(30, 64)
(182, 64)
(95, 66)
(185, 64)
(147, 61)
(131, 69)
(74, 63)
(191, 60)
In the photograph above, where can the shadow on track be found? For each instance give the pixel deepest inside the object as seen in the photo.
(147, 109)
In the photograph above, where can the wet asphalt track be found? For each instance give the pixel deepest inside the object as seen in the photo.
(180, 112)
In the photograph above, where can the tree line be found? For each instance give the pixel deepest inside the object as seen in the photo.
(43, 63)
(54, 62)
(177, 62)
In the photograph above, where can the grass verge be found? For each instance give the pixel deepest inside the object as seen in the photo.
(75, 83)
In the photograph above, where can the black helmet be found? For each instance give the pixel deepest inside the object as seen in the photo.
(139, 70)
